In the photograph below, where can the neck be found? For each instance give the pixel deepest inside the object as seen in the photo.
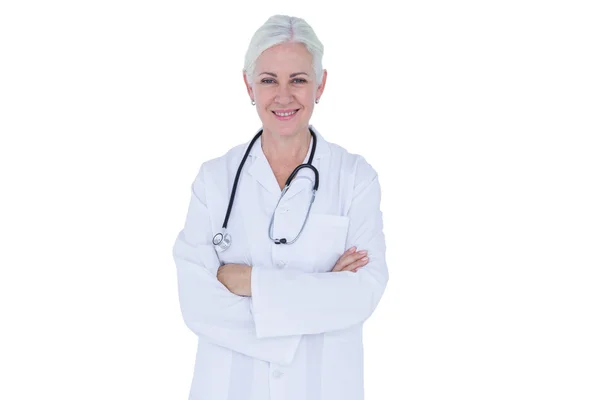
(286, 149)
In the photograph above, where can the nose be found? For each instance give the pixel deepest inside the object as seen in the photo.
(284, 94)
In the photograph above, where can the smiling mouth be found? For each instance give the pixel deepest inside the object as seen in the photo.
(288, 114)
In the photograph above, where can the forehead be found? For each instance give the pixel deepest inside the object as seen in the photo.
(285, 57)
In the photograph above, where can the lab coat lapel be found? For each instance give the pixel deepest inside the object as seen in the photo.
(262, 172)
(260, 169)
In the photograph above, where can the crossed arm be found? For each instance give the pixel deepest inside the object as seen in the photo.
(237, 277)
(208, 308)
(266, 311)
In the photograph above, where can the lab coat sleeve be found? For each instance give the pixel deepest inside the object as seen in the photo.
(209, 309)
(292, 302)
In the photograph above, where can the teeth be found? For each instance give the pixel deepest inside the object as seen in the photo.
(285, 114)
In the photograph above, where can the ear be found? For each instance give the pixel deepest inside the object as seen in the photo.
(321, 87)
(248, 87)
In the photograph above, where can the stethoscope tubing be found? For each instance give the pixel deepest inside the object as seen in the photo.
(223, 239)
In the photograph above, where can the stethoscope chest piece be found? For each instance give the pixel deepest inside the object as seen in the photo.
(222, 240)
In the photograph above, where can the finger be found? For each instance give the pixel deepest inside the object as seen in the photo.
(340, 264)
(337, 267)
(348, 259)
(350, 263)
(354, 257)
(356, 264)
(351, 250)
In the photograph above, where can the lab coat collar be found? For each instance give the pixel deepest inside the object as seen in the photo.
(321, 150)
(262, 172)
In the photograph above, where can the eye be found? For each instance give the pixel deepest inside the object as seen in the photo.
(267, 80)
(299, 80)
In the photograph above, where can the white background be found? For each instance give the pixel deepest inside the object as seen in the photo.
(482, 119)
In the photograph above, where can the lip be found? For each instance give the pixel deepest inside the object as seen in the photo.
(288, 117)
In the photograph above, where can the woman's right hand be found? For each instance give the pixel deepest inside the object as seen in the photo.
(351, 260)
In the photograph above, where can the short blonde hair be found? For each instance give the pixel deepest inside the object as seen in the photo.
(280, 29)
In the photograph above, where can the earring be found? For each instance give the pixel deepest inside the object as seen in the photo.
(253, 102)
(317, 101)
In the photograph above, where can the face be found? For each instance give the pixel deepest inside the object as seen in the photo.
(285, 82)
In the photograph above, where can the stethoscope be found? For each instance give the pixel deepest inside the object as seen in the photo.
(222, 240)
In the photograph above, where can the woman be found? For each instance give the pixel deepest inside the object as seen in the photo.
(278, 298)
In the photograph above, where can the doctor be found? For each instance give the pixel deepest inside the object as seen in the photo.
(278, 268)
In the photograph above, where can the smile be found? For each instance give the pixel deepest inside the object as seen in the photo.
(284, 114)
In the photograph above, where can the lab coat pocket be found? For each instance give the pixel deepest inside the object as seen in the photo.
(323, 242)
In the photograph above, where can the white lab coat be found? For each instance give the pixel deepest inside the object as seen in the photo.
(299, 335)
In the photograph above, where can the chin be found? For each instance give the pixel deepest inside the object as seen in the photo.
(284, 128)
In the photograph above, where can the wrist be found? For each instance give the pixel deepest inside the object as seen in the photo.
(247, 283)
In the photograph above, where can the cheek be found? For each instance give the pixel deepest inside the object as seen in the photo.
(263, 91)
(308, 106)
(307, 99)
(307, 96)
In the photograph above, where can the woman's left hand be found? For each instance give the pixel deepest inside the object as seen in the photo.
(236, 278)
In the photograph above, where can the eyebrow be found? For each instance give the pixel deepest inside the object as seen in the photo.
(291, 75)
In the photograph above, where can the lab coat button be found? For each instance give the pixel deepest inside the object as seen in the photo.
(277, 374)
(281, 263)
